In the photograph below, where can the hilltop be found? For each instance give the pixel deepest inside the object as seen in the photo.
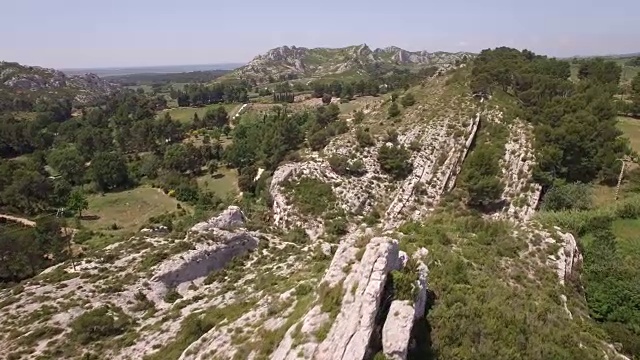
(29, 83)
(300, 62)
(446, 214)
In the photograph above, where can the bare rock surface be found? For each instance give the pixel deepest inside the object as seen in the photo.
(349, 336)
(86, 88)
(229, 219)
(206, 257)
(521, 194)
(296, 62)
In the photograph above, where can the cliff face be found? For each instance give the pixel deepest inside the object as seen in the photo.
(32, 81)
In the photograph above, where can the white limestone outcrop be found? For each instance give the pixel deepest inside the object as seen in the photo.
(520, 195)
(351, 331)
(213, 248)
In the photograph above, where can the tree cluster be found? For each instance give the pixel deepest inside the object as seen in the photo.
(574, 124)
(345, 89)
(283, 97)
(201, 95)
(26, 251)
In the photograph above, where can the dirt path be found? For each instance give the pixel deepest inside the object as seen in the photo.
(23, 221)
(31, 223)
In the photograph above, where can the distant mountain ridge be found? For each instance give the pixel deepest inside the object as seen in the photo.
(305, 62)
(33, 82)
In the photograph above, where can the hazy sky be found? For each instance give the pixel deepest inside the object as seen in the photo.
(92, 33)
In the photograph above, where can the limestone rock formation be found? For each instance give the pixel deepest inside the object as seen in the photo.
(213, 249)
(521, 195)
(295, 62)
(350, 334)
(229, 219)
(568, 256)
(85, 88)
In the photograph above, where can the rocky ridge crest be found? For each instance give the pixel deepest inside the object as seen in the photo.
(301, 62)
(85, 88)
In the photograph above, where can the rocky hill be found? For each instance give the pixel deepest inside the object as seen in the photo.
(300, 62)
(34, 82)
(371, 261)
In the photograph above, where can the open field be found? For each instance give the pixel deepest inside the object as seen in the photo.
(128, 209)
(631, 129)
(602, 194)
(627, 231)
(185, 114)
(222, 184)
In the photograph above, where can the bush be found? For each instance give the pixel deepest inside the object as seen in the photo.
(395, 161)
(481, 176)
(404, 282)
(172, 296)
(339, 164)
(358, 118)
(100, 323)
(364, 138)
(356, 168)
(297, 235)
(311, 196)
(392, 136)
(330, 298)
(394, 110)
(408, 100)
(339, 127)
(318, 140)
(563, 196)
(246, 178)
(337, 226)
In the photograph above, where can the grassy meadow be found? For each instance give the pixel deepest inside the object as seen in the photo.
(223, 183)
(127, 209)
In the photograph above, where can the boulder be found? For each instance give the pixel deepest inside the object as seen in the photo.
(229, 219)
(568, 256)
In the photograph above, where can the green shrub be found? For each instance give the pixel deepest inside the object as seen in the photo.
(100, 323)
(337, 226)
(395, 161)
(297, 235)
(356, 168)
(339, 164)
(408, 100)
(311, 196)
(567, 197)
(364, 138)
(404, 281)
(330, 298)
(358, 117)
(394, 110)
(172, 296)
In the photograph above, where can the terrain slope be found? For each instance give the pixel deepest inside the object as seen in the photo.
(379, 261)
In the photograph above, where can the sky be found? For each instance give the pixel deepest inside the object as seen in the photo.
(122, 33)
